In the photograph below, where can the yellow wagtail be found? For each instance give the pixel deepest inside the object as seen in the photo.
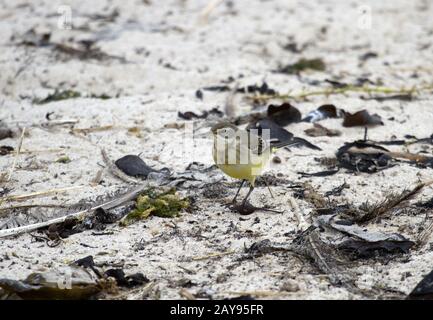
(242, 154)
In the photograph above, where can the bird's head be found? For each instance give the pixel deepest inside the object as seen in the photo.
(224, 129)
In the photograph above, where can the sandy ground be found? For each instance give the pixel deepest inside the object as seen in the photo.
(168, 53)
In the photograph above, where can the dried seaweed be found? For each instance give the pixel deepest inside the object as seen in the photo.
(369, 212)
(359, 242)
(189, 115)
(262, 89)
(337, 190)
(58, 95)
(361, 156)
(303, 64)
(166, 204)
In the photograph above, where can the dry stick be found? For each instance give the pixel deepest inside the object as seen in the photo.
(22, 197)
(407, 155)
(143, 291)
(26, 206)
(230, 107)
(347, 89)
(186, 294)
(60, 122)
(213, 255)
(94, 129)
(48, 150)
(97, 179)
(425, 235)
(80, 214)
(302, 224)
(204, 14)
(258, 293)
(14, 163)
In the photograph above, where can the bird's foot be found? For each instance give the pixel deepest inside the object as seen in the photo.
(247, 208)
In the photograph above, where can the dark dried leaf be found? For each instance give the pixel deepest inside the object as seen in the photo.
(5, 132)
(277, 134)
(31, 38)
(192, 115)
(298, 142)
(264, 89)
(336, 84)
(131, 281)
(284, 114)
(217, 88)
(134, 166)
(4, 150)
(199, 94)
(424, 289)
(361, 118)
(324, 112)
(368, 55)
(427, 204)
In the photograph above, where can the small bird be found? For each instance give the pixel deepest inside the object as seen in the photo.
(242, 154)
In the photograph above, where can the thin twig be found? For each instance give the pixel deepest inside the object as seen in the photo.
(424, 236)
(186, 294)
(257, 293)
(27, 206)
(302, 224)
(79, 215)
(346, 89)
(213, 255)
(22, 197)
(97, 179)
(14, 163)
(204, 14)
(230, 107)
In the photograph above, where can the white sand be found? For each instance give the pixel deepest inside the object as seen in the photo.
(245, 38)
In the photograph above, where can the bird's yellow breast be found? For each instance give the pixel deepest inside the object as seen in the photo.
(244, 171)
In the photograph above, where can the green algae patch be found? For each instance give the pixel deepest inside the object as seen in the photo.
(63, 159)
(304, 64)
(58, 95)
(166, 204)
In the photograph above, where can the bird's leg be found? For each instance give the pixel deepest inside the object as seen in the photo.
(269, 188)
(365, 133)
(237, 193)
(246, 197)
